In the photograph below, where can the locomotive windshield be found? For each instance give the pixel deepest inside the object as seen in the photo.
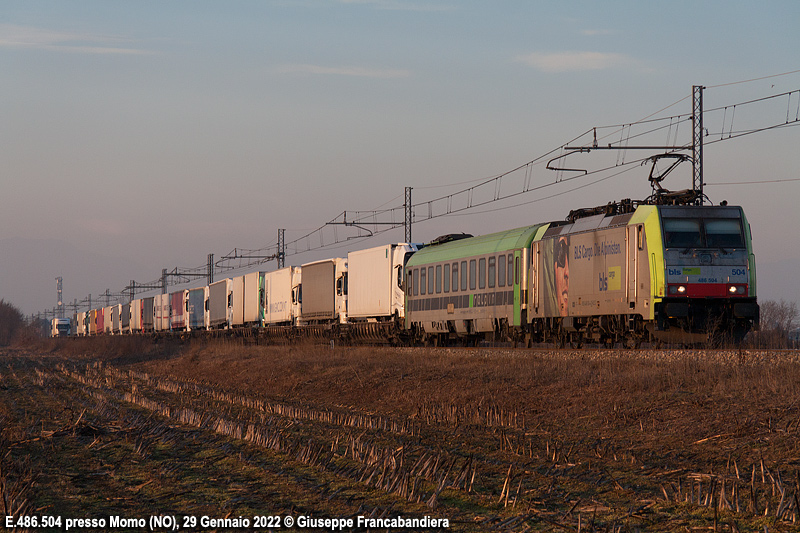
(682, 233)
(724, 233)
(703, 233)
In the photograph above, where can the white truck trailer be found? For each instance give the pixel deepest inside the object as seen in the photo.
(248, 300)
(324, 292)
(281, 296)
(220, 304)
(376, 282)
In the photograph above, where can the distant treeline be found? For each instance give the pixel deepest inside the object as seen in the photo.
(11, 323)
(779, 323)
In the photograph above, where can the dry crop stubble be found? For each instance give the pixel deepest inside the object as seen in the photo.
(492, 438)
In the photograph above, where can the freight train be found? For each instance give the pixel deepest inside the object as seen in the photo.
(627, 273)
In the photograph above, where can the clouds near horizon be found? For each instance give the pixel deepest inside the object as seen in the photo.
(29, 37)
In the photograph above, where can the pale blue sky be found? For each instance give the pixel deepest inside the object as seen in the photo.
(150, 134)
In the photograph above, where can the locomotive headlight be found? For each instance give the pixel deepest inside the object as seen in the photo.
(737, 290)
(677, 289)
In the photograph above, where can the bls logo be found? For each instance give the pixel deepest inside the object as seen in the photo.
(675, 272)
(603, 282)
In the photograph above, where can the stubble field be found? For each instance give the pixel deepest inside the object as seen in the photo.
(490, 439)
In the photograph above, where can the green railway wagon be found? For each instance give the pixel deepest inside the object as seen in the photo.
(470, 288)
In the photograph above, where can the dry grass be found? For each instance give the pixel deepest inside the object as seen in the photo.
(496, 439)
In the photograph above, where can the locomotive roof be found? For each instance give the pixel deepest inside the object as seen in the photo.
(485, 244)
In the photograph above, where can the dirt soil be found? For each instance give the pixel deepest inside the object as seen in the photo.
(490, 439)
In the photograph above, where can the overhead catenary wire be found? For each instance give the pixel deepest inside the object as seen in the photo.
(752, 79)
(753, 182)
(360, 217)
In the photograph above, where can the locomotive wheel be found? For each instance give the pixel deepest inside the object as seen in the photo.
(561, 340)
(632, 343)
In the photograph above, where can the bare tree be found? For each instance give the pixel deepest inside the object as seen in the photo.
(10, 322)
(778, 319)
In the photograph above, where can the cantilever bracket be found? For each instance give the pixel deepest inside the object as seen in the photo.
(562, 156)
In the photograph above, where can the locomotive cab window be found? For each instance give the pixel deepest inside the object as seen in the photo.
(682, 233)
(703, 233)
(724, 233)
